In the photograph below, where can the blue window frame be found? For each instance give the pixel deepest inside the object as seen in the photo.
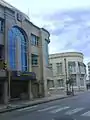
(13, 33)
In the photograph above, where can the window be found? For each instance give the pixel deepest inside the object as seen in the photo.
(50, 66)
(88, 66)
(82, 80)
(34, 59)
(15, 34)
(34, 40)
(71, 67)
(1, 25)
(50, 84)
(60, 83)
(59, 68)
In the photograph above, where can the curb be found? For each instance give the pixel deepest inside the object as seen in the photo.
(24, 106)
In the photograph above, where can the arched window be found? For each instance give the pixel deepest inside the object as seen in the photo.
(15, 34)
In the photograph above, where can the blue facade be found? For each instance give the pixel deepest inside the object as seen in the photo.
(13, 34)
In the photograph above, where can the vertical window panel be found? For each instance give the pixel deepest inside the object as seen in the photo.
(13, 34)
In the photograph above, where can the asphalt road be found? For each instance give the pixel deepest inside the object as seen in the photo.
(77, 107)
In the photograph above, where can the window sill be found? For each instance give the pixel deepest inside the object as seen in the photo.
(35, 65)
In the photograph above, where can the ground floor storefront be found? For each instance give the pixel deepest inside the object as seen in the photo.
(19, 88)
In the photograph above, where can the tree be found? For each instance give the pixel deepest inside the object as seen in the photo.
(70, 84)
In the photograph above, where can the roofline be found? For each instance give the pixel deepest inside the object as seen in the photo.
(45, 31)
(12, 8)
(26, 17)
(38, 27)
(66, 53)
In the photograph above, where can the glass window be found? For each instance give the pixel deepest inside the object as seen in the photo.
(82, 81)
(1, 25)
(50, 66)
(34, 59)
(13, 35)
(59, 68)
(71, 67)
(34, 40)
(60, 83)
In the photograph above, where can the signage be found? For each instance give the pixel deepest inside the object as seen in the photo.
(32, 75)
(24, 75)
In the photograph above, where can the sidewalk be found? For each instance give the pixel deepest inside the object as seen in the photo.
(23, 104)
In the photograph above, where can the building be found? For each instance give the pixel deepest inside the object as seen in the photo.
(88, 71)
(88, 76)
(65, 65)
(24, 52)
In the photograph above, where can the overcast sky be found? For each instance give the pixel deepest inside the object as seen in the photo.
(68, 22)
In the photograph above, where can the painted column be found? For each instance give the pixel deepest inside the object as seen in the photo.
(5, 92)
(30, 94)
(29, 90)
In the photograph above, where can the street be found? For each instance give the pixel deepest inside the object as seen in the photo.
(77, 107)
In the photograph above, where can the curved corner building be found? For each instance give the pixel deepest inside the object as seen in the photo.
(65, 65)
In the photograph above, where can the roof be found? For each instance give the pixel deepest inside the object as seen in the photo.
(66, 54)
(5, 4)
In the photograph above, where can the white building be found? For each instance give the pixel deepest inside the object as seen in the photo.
(65, 64)
(88, 71)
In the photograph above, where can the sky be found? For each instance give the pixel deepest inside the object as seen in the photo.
(68, 22)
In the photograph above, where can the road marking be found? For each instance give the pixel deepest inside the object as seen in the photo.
(27, 108)
(86, 114)
(45, 109)
(70, 112)
(59, 109)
